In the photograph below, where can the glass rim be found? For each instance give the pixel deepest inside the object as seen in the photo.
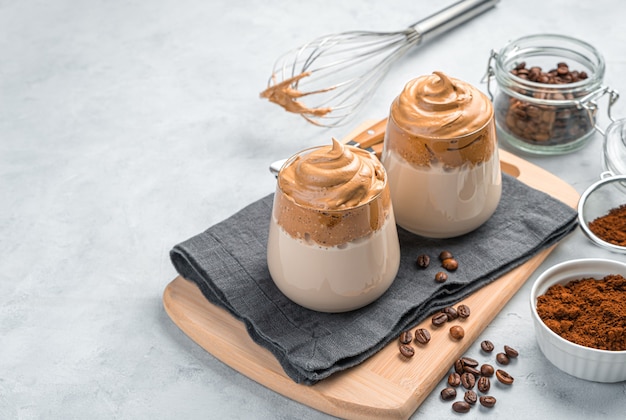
(598, 67)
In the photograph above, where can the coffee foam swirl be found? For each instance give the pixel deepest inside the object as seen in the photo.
(335, 177)
(439, 106)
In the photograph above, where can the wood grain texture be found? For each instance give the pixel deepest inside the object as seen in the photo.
(386, 385)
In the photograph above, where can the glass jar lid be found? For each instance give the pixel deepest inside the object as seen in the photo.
(602, 212)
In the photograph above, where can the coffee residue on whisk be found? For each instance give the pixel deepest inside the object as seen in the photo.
(286, 96)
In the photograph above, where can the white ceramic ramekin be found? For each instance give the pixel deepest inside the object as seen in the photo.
(579, 361)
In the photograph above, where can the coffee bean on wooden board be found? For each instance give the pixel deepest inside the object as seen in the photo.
(407, 351)
(422, 336)
(450, 312)
(463, 311)
(439, 319)
(457, 332)
(406, 337)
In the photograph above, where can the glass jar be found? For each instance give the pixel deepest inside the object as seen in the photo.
(541, 106)
(441, 156)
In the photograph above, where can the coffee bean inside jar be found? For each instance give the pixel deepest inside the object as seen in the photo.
(548, 87)
(546, 124)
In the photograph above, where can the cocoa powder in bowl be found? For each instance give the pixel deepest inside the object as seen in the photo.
(588, 311)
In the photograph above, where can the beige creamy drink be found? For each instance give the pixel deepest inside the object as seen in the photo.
(441, 157)
(333, 243)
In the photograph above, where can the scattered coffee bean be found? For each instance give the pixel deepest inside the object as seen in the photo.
(422, 335)
(468, 361)
(458, 366)
(451, 313)
(406, 350)
(441, 277)
(487, 401)
(463, 311)
(448, 393)
(461, 406)
(406, 337)
(454, 379)
(470, 397)
(457, 332)
(439, 319)
(423, 261)
(450, 264)
(502, 358)
(468, 380)
(472, 370)
(469, 375)
(483, 384)
(510, 351)
(503, 377)
(487, 370)
(487, 346)
(444, 255)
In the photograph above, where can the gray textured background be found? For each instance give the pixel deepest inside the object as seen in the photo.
(128, 126)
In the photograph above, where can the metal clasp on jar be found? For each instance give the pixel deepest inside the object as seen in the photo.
(588, 104)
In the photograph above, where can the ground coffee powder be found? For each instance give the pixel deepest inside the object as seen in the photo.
(588, 312)
(611, 227)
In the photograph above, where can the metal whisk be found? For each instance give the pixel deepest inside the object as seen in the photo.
(327, 79)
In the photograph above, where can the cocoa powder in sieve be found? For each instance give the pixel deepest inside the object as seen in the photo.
(611, 227)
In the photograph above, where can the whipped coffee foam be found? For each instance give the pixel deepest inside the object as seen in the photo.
(437, 118)
(332, 195)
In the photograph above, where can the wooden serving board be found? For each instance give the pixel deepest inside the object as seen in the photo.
(386, 385)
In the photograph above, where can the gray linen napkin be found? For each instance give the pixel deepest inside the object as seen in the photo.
(228, 262)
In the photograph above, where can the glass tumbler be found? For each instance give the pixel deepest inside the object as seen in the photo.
(547, 91)
(333, 243)
(441, 156)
